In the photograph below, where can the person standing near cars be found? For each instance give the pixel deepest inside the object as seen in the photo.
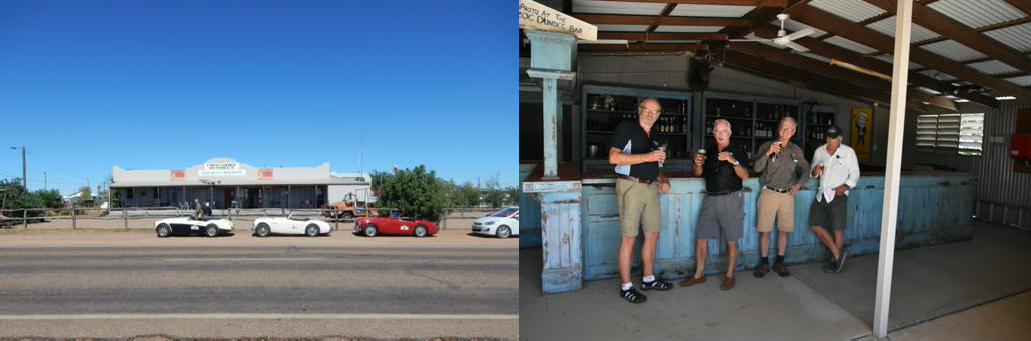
(198, 212)
(723, 210)
(207, 211)
(782, 169)
(637, 161)
(838, 169)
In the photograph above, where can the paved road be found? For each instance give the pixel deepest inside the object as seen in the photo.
(259, 291)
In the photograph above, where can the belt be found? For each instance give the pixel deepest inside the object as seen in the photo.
(713, 194)
(643, 181)
(778, 190)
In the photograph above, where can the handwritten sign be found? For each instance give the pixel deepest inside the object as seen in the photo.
(534, 16)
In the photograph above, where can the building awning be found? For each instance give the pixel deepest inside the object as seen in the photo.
(222, 183)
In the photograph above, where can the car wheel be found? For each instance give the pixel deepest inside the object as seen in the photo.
(263, 230)
(420, 231)
(347, 215)
(164, 231)
(371, 230)
(211, 231)
(503, 232)
(312, 230)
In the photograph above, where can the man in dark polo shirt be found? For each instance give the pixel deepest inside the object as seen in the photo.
(724, 166)
(640, 180)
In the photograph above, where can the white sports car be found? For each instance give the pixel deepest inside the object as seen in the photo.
(263, 227)
(192, 226)
(503, 223)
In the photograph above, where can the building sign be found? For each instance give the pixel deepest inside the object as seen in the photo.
(222, 169)
(177, 175)
(860, 127)
(537, 17)
(265, 174)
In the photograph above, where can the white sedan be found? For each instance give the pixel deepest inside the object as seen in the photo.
(263, 227)
(503, 223)
(186, 226)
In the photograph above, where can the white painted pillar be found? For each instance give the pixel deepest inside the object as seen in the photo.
(896, 123)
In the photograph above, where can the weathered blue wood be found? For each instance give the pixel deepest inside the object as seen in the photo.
(551, 59)
(933, 209)
(561, 232)
(529, 212)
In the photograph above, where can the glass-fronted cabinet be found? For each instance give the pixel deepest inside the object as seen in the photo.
(604, 107)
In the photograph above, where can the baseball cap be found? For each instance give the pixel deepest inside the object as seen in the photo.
(832, 132)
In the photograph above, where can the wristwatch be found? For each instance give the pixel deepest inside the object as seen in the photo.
(737, 163)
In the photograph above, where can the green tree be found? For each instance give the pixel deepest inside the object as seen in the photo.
(512, 195)
(416, 192)
(16, 197)
(466, 195)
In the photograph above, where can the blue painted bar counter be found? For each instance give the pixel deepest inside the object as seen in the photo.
(934, 208)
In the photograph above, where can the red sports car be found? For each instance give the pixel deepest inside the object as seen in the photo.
(375, 226)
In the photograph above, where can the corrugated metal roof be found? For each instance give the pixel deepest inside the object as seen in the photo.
(890, 59)
(1018, 37)
(793, 26)
(977, 13)
(851, 45)
(993, 67)
(854, 10)
(815, 56)
(622, 28)
(937, 75)
(710, 10)
(617, 7)
(953, 50)
(676, 28)
(887, 26)
(1022, 80)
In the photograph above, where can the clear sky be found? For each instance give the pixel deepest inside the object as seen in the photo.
(85, 85)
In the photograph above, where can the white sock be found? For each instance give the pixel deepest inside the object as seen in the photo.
(649, 278)
(627, 286)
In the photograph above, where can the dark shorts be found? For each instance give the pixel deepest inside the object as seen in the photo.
(722, 214)
(830, 215)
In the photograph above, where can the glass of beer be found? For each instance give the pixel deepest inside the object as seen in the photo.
(820, 167)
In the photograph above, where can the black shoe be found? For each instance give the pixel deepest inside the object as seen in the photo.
(841, 262)
(656, 285)
(761, 270)
(781, 269)
(633, 296)
(830, 267)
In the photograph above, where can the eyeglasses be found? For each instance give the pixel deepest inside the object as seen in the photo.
(650, 111)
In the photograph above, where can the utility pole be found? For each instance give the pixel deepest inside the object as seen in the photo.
(24, 180)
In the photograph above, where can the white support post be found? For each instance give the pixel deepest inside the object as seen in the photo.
(896, 123)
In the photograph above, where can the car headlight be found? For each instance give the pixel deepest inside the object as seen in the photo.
(489, 223)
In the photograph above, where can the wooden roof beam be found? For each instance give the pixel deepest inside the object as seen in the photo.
(644, 36)
(961, 33)
(863, 35)
(757, 3)
(616, 19)
(759, 17)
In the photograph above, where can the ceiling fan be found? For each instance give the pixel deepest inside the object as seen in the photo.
(783, 39)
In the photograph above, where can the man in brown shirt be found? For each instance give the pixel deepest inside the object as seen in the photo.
(782, 166)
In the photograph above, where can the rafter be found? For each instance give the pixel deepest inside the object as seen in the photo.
(757, 3)
(863, 35)
(961, 33)
(644, 36)
(665, 12)
(759, 17)
(836, 52)
(617, 19)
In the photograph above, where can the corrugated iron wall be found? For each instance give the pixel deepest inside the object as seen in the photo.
(1003, 195)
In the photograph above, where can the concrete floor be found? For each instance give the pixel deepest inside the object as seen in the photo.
(930, 283)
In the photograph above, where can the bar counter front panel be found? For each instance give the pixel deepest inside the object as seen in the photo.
(933, 209)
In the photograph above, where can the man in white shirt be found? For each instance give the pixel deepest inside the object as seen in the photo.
(838, 169)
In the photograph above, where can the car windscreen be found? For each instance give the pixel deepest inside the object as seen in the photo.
(505, 212)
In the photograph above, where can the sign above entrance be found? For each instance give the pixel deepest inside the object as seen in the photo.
(222, 169)
(177, 175)
(265, 174)
(537, 17)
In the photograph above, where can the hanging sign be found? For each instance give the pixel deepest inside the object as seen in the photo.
(537, 17)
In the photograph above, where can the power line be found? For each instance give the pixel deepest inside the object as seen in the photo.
(52, 165)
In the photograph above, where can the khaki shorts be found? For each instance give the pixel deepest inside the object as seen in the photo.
(638, 206)
(776, 205)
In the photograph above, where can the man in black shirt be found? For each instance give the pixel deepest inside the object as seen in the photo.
(723, 208)
(637, 190)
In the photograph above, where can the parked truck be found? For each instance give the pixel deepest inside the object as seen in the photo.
(347, 209)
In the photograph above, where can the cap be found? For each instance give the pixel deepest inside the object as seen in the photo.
(832, 132)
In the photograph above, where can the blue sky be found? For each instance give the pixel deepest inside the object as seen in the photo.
(85, 85)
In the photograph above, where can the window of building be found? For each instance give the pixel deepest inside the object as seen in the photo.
(961, 134)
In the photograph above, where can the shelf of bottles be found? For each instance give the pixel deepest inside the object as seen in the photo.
(603, 111)
(816, 122)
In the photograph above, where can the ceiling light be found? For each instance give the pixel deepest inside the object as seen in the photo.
(1005, 97)
(962, 100)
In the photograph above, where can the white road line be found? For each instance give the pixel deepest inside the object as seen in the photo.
(263, 316)
(235, 259)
